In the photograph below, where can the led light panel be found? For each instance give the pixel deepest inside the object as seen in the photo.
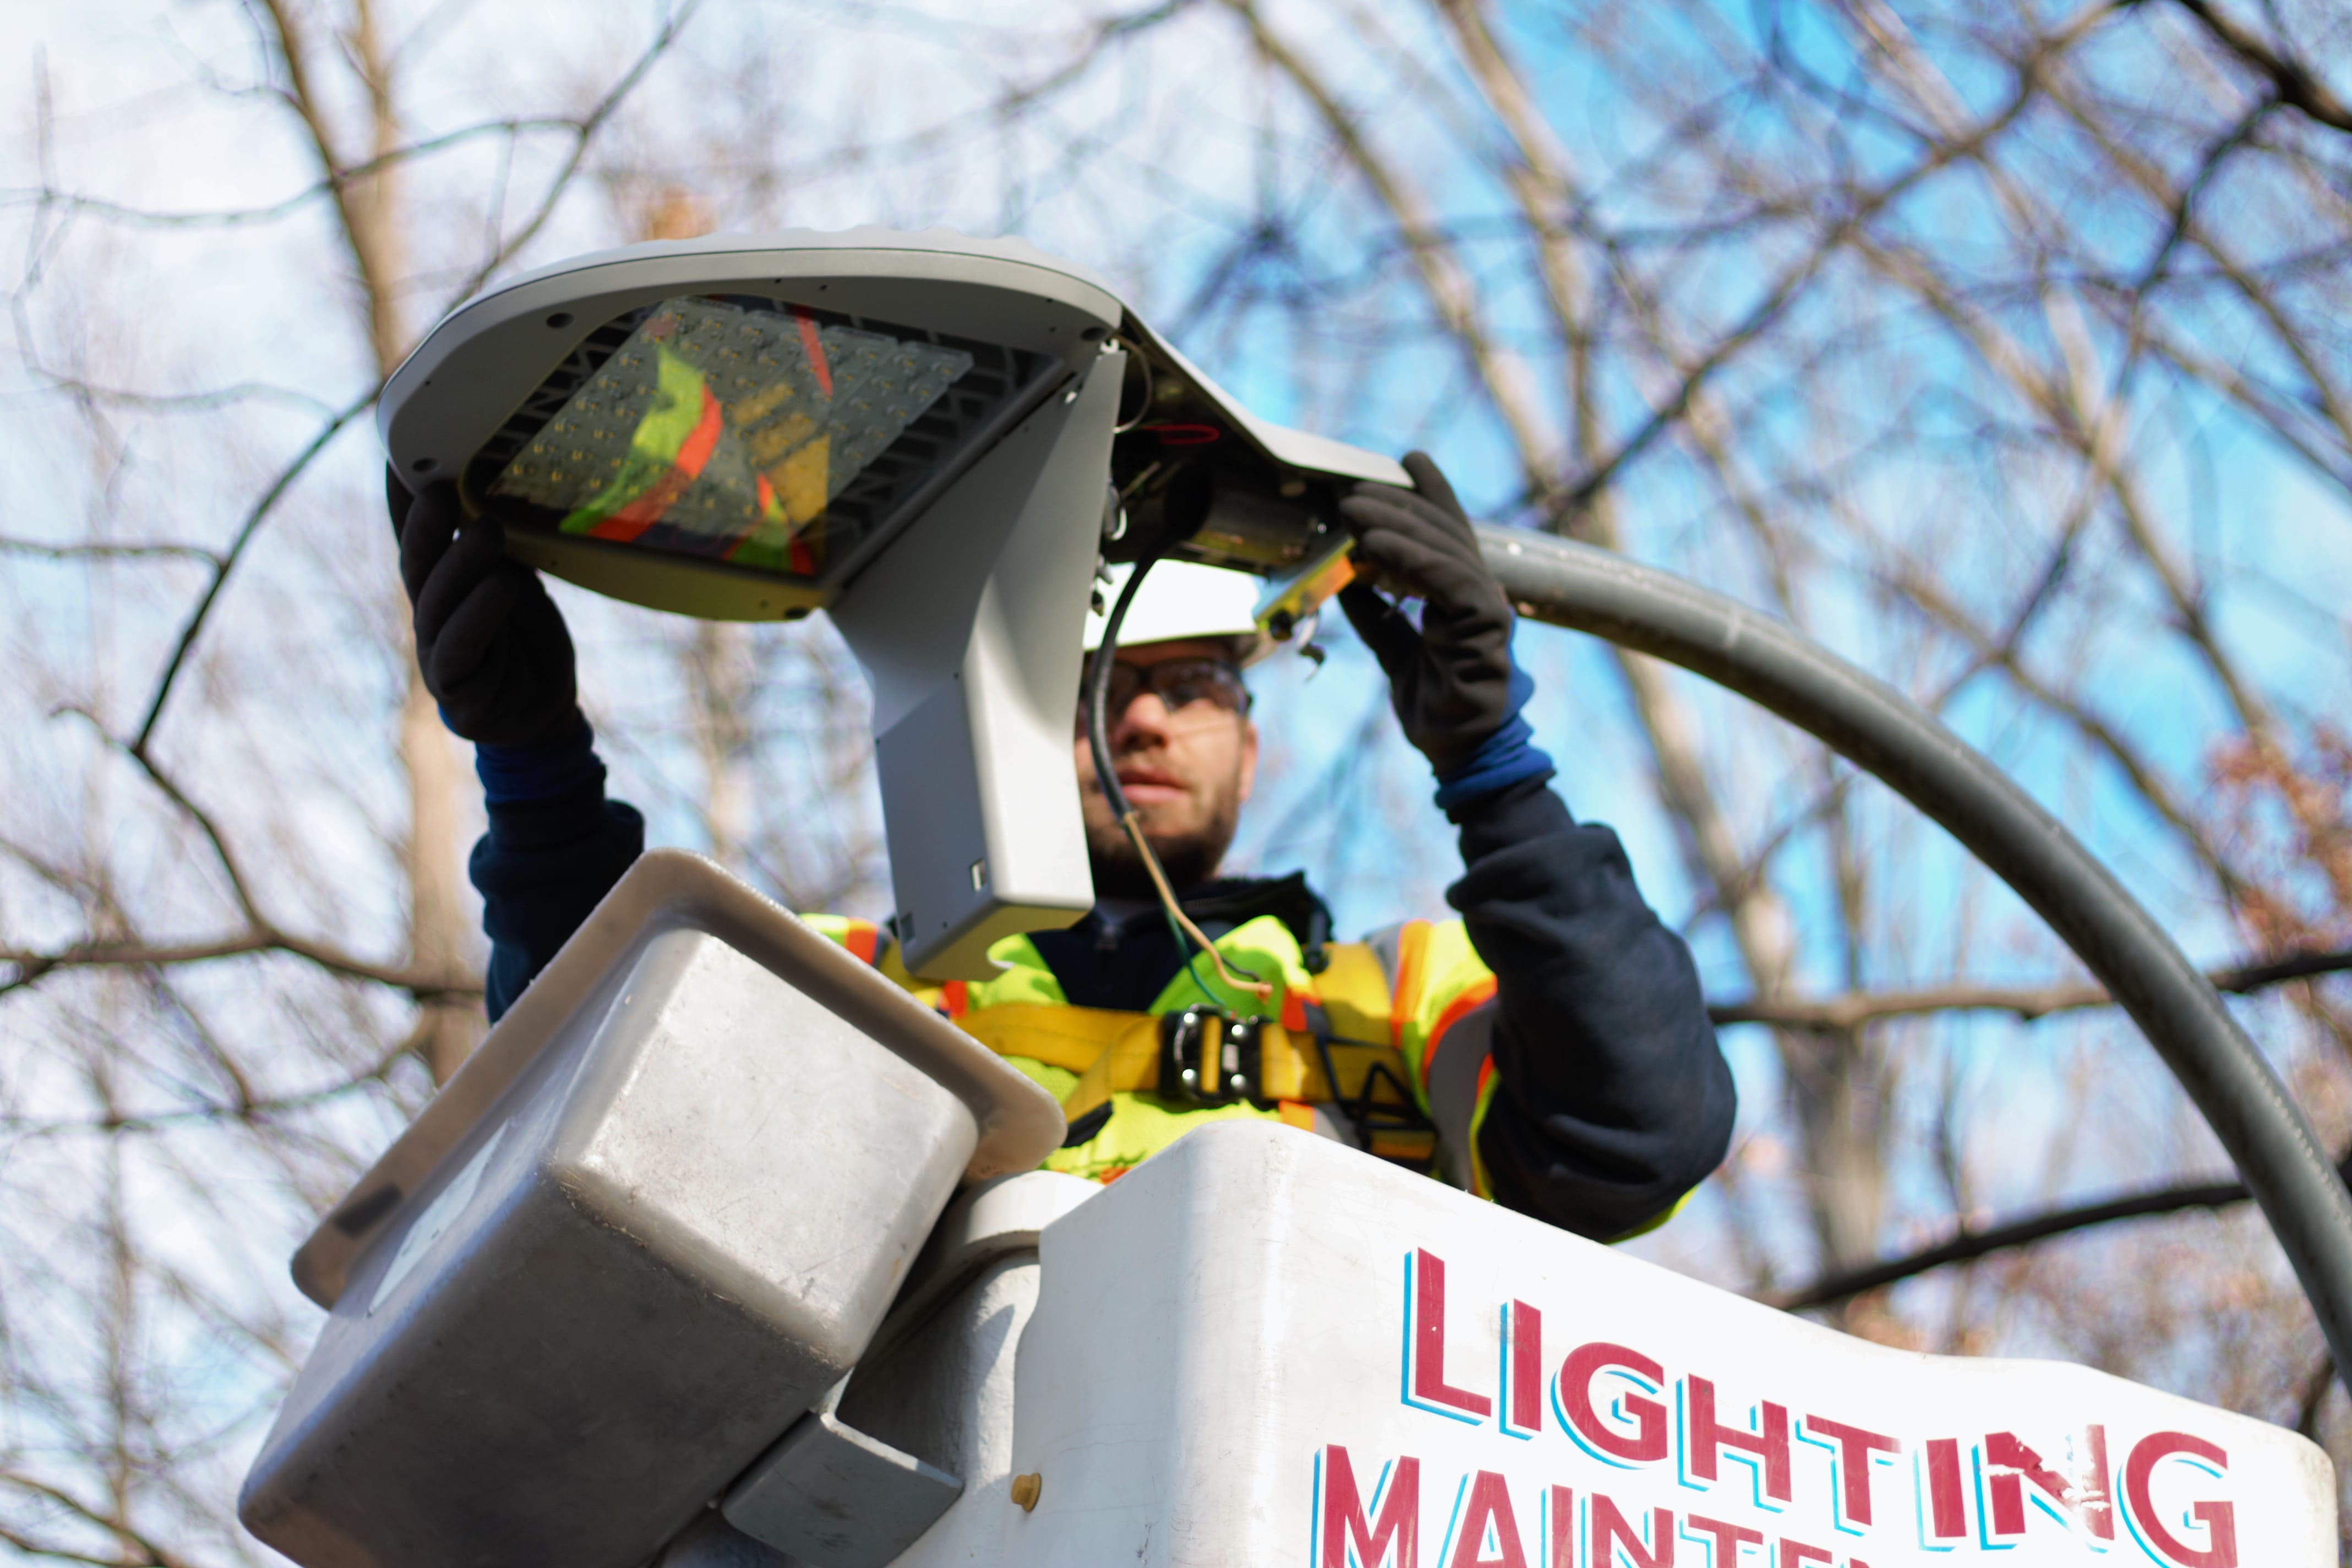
(763, 435)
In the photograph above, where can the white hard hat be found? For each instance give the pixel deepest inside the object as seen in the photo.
(1182, 600)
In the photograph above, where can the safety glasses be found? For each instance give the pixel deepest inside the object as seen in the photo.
(1193, 686)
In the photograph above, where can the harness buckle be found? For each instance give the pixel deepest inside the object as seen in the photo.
(1207, 1058)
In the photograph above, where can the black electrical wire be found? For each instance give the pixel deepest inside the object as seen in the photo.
(1099, 692)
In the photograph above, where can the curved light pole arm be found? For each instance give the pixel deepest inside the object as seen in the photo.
(1887, 735)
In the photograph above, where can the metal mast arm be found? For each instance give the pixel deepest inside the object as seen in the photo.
(1884, 732)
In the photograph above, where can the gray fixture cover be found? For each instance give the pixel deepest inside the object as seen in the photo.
(714, 1146)
(963, 594)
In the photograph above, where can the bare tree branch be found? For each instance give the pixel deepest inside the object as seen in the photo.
(584, 132)
(201, 402)
(247, 1107)
(2297, 86)
(338, 179)
(1919, 593)
(1862, 207)
(2025, 1003)
(429, 986)
(55, 551)
(1444, 280)
(2147, 175)
(227, 563)
(1969, 1246)
(33, 1547)
(152, 1553)
(269, 211)
(31, 964)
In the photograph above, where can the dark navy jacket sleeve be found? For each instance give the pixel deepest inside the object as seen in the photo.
(541, 869)
(1611, 1098)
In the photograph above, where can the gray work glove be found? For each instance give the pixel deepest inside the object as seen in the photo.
(1450, 678)
(490, 643)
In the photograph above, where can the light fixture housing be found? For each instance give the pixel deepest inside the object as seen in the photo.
(934, 438)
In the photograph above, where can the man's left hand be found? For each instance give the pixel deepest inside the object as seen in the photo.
(1450, 678)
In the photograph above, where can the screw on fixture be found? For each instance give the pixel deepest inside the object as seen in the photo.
(1026, 1490)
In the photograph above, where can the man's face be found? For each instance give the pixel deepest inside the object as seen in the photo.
(1186, 771)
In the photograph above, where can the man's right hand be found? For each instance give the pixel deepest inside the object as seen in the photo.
(490, 643)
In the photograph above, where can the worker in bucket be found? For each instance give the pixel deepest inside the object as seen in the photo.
(1547, 1048)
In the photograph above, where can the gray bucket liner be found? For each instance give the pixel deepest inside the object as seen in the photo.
(655, 1217)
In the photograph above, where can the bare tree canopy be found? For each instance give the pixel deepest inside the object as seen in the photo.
(2002, 348)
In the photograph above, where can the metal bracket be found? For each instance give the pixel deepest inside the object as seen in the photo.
(1208, 1058)
(832, 1497)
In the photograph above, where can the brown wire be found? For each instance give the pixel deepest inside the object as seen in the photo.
(1240, 980)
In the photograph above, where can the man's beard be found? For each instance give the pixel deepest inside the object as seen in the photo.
(1189, 858)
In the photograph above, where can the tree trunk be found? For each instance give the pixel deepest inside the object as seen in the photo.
(373, 224)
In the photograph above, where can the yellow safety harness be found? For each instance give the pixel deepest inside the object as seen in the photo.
(1337, 1052)
(1199, 1057)
(1349, 1043)
(1337, 1058)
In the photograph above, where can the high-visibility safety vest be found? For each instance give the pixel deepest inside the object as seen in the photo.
(1386, 1044)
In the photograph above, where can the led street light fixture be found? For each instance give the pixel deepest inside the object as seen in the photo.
(933, 438)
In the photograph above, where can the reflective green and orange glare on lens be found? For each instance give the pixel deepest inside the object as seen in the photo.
(729, 432)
